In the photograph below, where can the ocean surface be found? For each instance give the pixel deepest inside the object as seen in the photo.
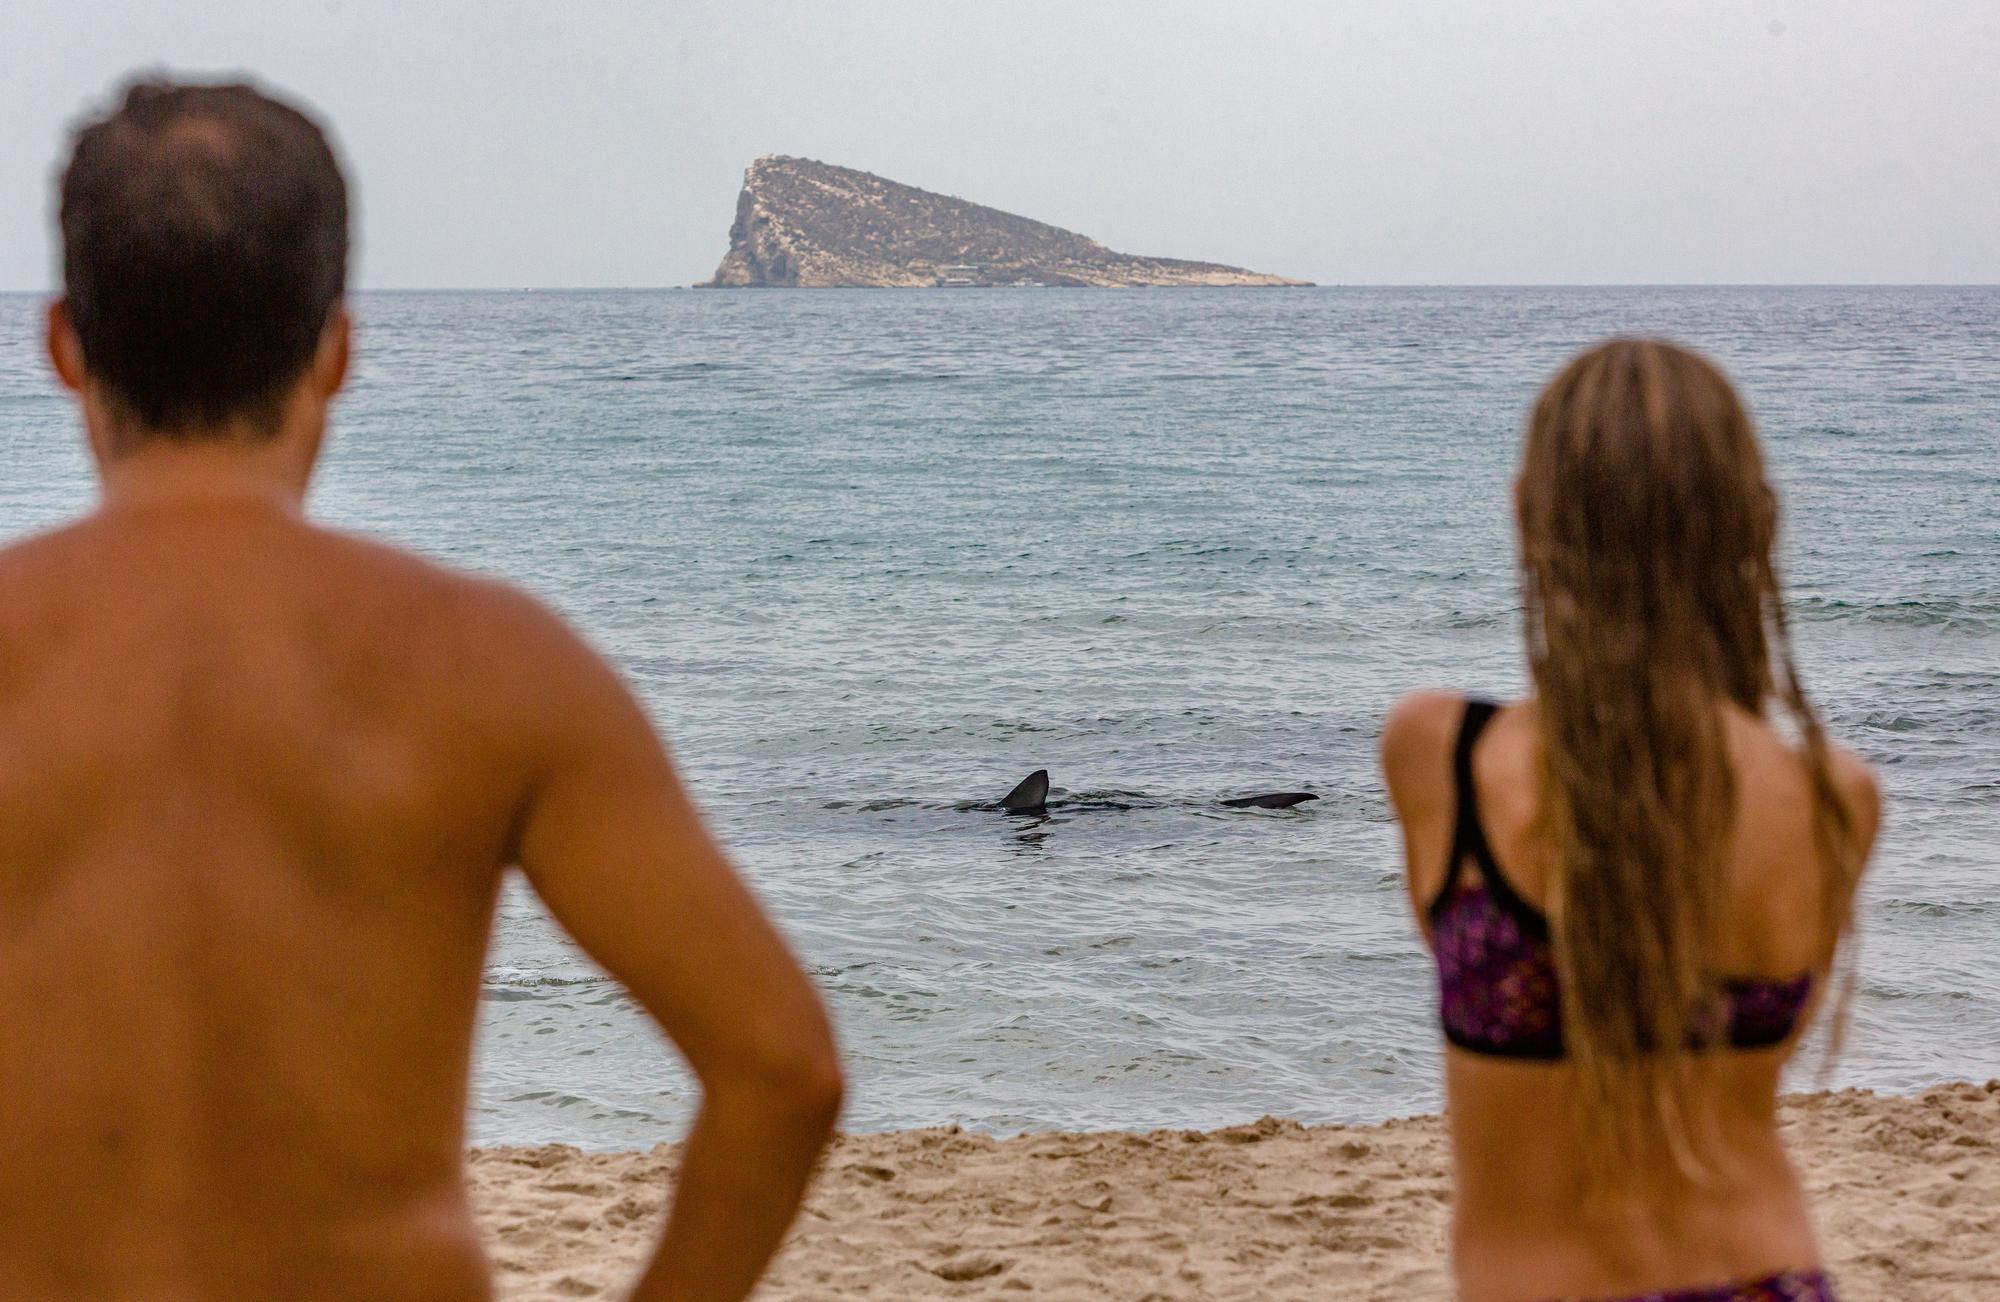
(871, 557)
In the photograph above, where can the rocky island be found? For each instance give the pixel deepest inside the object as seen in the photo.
(802, 224)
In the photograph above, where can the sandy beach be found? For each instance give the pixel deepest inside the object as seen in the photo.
(1907, 1191)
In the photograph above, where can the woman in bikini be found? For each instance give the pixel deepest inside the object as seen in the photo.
(1636, 881)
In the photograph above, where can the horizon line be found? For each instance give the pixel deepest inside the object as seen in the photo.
(1355, 284)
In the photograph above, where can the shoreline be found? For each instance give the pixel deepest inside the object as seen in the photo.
(1905, 1190)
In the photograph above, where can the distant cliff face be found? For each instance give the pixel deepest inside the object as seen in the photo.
(802, 224)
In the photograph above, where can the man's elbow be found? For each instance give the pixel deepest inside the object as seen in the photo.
(816, 1085)
(799, 1082)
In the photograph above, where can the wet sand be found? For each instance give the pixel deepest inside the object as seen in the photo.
(1906, 1190)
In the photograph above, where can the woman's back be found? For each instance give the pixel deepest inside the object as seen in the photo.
(1636, 890)
(1528, 1224)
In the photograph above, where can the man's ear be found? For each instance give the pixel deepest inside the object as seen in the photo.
(65, 349)
(329, 368)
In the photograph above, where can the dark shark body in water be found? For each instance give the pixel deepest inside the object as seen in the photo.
(1031, 796)
(1271, 800)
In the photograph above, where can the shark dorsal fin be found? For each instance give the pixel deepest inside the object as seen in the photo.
(1030, 796)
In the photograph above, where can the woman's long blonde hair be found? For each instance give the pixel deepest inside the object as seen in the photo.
(1651, 597)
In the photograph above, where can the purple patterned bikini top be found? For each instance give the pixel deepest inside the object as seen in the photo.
(1497, 971)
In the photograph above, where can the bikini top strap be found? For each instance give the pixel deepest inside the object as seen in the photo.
(1466, 837)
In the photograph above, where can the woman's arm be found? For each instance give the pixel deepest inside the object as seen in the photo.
(1417, 739)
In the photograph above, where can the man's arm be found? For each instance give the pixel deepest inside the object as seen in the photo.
(614, 848)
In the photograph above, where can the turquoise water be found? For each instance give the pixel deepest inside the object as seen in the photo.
(872, 556)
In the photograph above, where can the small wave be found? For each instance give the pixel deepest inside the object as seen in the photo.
(1938, 612)
(513, 986)
(522, 977)
(1890, 721)
(1936, 909)
(1881, 990)
(695, 370)
(1102, 793)
(885, 379)
(828, 972)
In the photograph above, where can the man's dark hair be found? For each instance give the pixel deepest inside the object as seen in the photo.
(204, 248)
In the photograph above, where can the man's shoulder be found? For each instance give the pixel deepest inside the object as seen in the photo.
(26, 557)
(479, 620)
(493, 656)
(406, 575)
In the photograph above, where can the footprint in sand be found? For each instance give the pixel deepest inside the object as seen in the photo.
(969, 1266)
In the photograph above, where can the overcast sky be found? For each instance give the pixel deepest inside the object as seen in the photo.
(602, 142)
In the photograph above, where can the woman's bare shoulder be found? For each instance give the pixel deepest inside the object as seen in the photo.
(1775, 765)
(1416, 748)
(1855, 783)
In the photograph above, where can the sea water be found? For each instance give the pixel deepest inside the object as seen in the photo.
(871, 556)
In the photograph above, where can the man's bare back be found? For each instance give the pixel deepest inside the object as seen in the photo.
(259, 783)
(253, 814)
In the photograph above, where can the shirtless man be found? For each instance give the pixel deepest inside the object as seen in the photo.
(259, 783)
